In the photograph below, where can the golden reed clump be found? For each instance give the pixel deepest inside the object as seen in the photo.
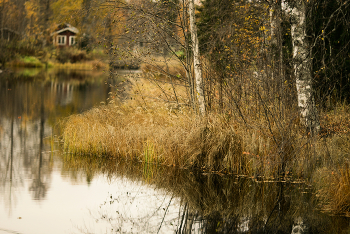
(158, 136)
(333, 189)
(147, 129)
(179, 138)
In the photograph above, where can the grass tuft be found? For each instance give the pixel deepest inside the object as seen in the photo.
(154, 125)
(27, 61)
(333, 189)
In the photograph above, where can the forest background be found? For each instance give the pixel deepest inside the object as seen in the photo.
(259, 88)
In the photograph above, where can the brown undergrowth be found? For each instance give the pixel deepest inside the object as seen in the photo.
(155, 136)
(332, 173)
(147, 129)
(163, 67)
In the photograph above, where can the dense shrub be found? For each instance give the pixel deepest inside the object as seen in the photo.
(71, 55)
(9, 50)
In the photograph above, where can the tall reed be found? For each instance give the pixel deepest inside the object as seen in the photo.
(263, 144)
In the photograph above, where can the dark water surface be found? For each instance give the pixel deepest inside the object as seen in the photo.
(43, 190)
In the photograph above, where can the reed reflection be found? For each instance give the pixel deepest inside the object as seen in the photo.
(211, 203)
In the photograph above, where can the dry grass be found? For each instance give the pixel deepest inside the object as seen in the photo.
(339, 192)
(87, 65)
(163, 67)
(151, 91)
(156, 126)
(157, 136)
(333, 189)
(332, 174)
(148, 129)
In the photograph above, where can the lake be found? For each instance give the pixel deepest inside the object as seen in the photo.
(45, 190)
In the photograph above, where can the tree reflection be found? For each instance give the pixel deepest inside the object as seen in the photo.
(9, 166)
(38, 187)
(208, 203)
(30, 108)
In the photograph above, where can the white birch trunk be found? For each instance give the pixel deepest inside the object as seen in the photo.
(302, 67)
(196, 59)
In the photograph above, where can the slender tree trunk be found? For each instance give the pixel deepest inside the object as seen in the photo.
(275, 28)
(183, 17)
(196, 59)
(85, 22)
(2, 19)
(46, 15)
(109, 39)
(302, 67)
(277, 73)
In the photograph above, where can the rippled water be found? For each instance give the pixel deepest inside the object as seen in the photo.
(44, 190)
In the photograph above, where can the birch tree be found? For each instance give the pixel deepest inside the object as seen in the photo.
(302, 67)
(196, 59)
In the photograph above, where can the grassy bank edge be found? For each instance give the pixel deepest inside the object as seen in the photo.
(33, 62)
(213, 144)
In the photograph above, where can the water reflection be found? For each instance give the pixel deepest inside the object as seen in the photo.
(189, 202)
(39, 180)
(46, 191)
(30, 108)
